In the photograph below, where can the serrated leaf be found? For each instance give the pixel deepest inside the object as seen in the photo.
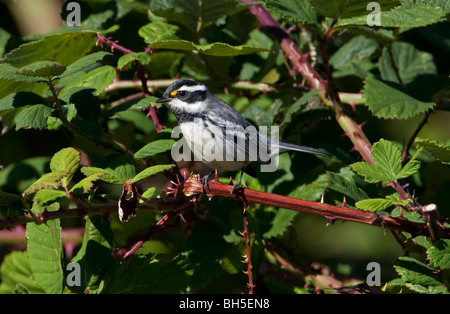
(283, 219)
(376, 204)
(45, 196)
(355, 51)
(20, 99)
(33, 117)
(127, 60)
(409, 62)
(16, 275)
(194, 13)
(344, 183)
(84, 63)
(415, 272)
(387, 101)
(94, 254)
(298, 105)
(158, 31)
(42, 69)
(387, 164)
(214, 49)
(346, 8)
(439, 254)
(150, 171)
(438, 150)
(67, 159)
(85, 185)
(50, 180)
(298, 11)
(97, 79)
(106, 175)
(155, 147)
(44, 249)
(65, 48)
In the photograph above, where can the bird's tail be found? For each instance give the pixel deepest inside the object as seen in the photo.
(305, 149)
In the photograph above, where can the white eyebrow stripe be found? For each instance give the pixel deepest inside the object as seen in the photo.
(193, 88)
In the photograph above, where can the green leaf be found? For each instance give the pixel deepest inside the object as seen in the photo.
(193, 14)
(46, 196)
(50, 180)
(214, 49)
(16, 275)
(298, 11)
(439, 254)
(346, 8)
(44, 249)
(95, 254)
(438, 150)
(155, 147)
(283, 219)
(97, 79)
(64, 48)
(33, 117)
(85, 185)
(42, 69)
(127, 60)
(356, 52)
(103, 174)
(344, 183)
(409, 61)
(85, 63)
(386, 101)
(298, 105)
(11, 82)
(415, 272)
(409, 14)
(376, 204)
(119, 169)
(67, 159)
(150, 171)
(141, 274)
(387, 164)
(158, 31)
(20, 99)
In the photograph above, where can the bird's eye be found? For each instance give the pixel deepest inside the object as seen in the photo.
(181, 93)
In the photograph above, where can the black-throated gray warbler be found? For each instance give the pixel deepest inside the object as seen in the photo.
(218, 136)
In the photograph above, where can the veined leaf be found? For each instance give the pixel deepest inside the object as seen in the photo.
(385, 101)
(84, 63)
(125, 61)
(298, 11)
(344, 183)
(33, 117)
(16, 275)
(158, 31)
(20, 99)
(194, 13)
(65, 48)
(97, 79)
(105, 175)
(45, 196)
(409, 62)
(415, 272)
(387, 166)
(439, 254)
(347, 9)
(155, 147)
(376, 204)
(150, 171)
(50, 180)
(283, 219)
(42, 69)
(85, 185)
(214, 49)
(438, 150)
(67, 159)
(44, 249)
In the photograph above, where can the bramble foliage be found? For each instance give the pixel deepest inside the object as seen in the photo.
(74, 130)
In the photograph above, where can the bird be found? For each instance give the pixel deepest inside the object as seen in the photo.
(218, 136)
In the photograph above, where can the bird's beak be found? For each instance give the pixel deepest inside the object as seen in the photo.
(164, 99)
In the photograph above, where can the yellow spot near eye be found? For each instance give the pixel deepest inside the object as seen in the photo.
(174, 92)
